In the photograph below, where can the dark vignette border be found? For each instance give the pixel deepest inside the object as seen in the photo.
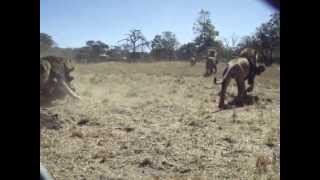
(20, 116)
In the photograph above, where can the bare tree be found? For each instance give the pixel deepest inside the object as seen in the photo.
(234, 40)
(226, 42)
(134, 40)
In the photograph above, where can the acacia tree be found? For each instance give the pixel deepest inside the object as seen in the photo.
(156, 46)
(134, 40)
(169, 43)
(96, 48)
(116, 52)
(164, 45)
(186, 51)
(91, 52)
(46, 42)
(205, 31)
(82, 54)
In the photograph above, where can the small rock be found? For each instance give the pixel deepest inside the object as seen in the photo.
(166, 164)
(137, 151)
(145, 162)
(168, 144)
(193, 123)
(83, 122)
(123, 147)
(78, 134)
(229, 140)
(100, 142)
(185, 170)
(128, 129)
(102, 160)
(269, 100)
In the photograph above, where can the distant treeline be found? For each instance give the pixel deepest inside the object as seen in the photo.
(165, 46)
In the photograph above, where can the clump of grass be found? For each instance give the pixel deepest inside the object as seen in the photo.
(275, 177)
(254, 128)
(146, 162)
(132, 94)
(180, 80)
(76, 133)
(83, 122)
(271, 138)
(234, 115)
(105, 101)
(87, 93)
(229, 139)
(262, 163)
(95, 80)
(173, 91)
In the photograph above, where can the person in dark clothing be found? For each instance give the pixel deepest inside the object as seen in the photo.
(211, 63)
(252, 73)
(251, 55)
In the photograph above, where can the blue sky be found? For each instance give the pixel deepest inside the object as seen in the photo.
(72, 22)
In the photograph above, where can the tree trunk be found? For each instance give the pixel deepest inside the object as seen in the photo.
(271, 60)
(133, 52)
(269, 57)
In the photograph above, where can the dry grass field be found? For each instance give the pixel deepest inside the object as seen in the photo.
(160, 121)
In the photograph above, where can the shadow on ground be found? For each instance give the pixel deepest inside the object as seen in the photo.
(236, 103)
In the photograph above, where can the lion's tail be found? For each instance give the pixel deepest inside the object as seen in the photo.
(225, 74)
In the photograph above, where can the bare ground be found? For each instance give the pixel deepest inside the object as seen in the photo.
(160, 121)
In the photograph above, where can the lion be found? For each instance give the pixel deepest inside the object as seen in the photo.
(253, 55)
(55, 77)
(239, 70)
